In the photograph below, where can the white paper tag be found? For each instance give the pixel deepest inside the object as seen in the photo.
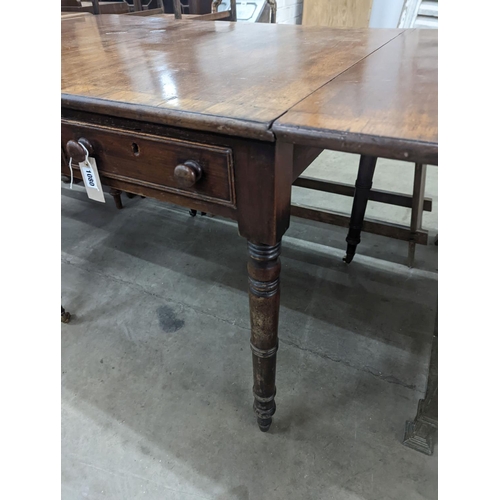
(91, 180)
(89, 176)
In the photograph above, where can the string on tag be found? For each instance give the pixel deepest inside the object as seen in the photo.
(86, 153)
(71, 170)
(71, 159)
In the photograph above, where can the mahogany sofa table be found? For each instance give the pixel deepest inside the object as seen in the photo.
(210, 116)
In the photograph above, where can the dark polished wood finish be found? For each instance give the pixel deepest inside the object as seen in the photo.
(153, 160)
(208, 76)
(361, 195)
(78, 150)
(156, 98)
(187, 174)
(264, 293)
(117, 197)
(385, 106)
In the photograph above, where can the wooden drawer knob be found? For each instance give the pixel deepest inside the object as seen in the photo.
(187, 174)
(75, 150)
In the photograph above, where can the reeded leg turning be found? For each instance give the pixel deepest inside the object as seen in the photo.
(264, 293)
(361, 195)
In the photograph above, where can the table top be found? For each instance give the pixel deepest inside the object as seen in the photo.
(259, 81)
(234, 78)
(387, 101)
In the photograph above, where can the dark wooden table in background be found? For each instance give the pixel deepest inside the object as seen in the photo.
(223, 118)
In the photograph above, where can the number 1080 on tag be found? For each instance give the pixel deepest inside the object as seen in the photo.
(88, 175)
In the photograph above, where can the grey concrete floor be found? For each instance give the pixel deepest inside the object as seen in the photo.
(156, 366)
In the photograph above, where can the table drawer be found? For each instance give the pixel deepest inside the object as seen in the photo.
(151, 161)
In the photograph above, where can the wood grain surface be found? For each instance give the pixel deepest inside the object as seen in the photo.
(386, 105)
(337, 13)
(151, 160)
(231, 78)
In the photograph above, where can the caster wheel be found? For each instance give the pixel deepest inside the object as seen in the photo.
(193, 213)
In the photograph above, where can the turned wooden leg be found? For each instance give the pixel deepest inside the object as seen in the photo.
(361, 195)
(420, 432)
(65, 316)
(264, 293)
(116, 194)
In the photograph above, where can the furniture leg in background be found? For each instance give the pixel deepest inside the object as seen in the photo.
(274, 8)
(363, 185)
(116, 194)
(420, 432)
(384, 228)
(417, 209)
(362, 195)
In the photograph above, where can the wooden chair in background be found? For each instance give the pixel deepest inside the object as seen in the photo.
(140, 10)
(75, 7)
(225, 15)
(97, 7)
